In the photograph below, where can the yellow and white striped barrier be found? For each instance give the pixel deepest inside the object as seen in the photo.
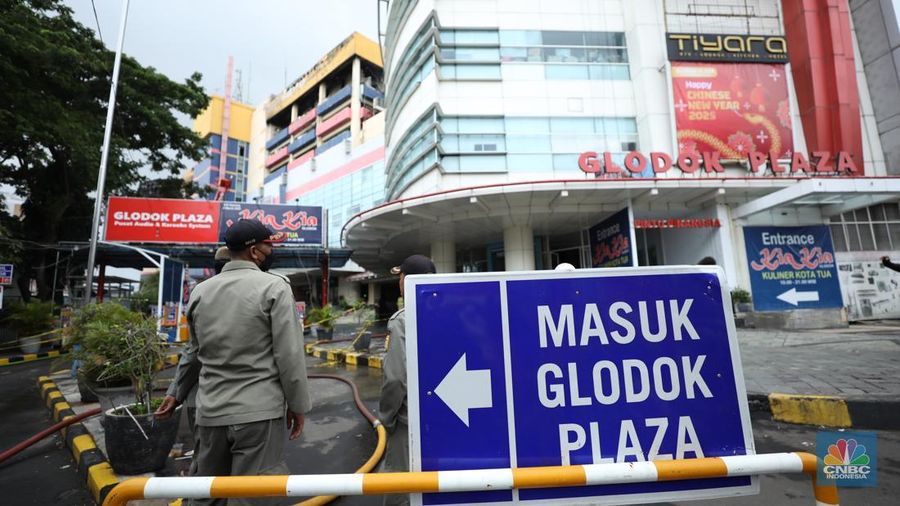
(470, 480)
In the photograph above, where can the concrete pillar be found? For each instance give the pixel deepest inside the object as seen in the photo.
(355, 105)
(374, 293)
(645, 30)
(295, 112)
(726, 242)
(443, 254)
(323, 94)
(518, 246)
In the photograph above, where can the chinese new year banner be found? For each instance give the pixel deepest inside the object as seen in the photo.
(733, 108)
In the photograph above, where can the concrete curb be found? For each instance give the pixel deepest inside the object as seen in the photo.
(91, 463)
(90, 460)
(343, 356)
(878, 412)
(30, 357)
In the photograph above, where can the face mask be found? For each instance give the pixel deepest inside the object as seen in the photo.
(266, 264)
(219, 265)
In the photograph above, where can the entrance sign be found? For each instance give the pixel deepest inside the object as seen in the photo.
(610, 241)
(6, 274)
(549, 368)
(792, 268)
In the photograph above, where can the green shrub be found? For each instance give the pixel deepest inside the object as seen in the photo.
(31, 319)
(119, 344)
(322, 316)
(740, 296)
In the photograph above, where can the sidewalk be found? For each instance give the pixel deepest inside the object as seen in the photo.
(859, 367)
(840, 378)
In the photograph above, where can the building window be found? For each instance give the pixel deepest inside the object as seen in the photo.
(470, 72)
(568, 55)
(415, 64)
(473, 37)
(874, 228)
(470, 54)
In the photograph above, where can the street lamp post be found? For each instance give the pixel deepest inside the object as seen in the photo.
(104, 155)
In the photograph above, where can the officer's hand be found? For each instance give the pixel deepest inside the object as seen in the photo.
(295, 424)
(166, 408)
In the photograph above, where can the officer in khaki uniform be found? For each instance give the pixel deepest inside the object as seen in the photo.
(393, 407)
(249, 351)
(188, 356)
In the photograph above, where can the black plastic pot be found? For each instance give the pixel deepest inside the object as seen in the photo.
(110, 394)
(87, 395)
(322, 334)
(89, 389)
(127, 448)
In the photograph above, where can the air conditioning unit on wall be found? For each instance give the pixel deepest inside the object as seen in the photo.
(348, 145)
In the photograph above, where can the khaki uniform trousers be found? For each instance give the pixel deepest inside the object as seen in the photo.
(247, 449)
(396, 459)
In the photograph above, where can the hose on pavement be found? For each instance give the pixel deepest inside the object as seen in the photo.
(46, 432)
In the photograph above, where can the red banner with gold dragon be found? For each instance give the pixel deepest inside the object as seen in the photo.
(733, 108)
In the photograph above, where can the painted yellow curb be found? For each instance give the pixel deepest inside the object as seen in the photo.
(82, 444)
(824, 410)
(99, 476)
(51, 396)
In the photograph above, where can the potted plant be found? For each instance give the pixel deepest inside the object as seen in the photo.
(741, 300)
(116, 344)
(89, 347)
(29, 321)
(321, 320)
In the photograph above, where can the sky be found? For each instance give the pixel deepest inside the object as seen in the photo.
(273, 41)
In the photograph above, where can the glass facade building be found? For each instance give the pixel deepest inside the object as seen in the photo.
(493, 108)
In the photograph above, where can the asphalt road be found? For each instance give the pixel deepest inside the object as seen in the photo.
(45, 473)
(337, 439)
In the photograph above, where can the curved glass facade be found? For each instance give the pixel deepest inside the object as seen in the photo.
(517, 140)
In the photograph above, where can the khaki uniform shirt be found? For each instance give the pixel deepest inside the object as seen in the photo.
(393, 388)
(246, 339)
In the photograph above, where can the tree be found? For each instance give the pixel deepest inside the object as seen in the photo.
(54, 88)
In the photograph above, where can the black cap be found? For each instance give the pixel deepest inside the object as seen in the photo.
(415, 264)
(245, 233)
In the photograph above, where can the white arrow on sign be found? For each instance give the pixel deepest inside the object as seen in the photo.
(794, 297)
(462, 390)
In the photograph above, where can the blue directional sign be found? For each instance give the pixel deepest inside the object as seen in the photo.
(792, 268)
(547, 368)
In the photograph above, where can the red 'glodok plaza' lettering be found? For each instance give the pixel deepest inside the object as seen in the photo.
(821, 162)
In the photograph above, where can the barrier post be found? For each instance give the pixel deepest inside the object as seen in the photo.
(471, 480)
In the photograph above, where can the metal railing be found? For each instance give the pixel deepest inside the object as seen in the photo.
(471, 480)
